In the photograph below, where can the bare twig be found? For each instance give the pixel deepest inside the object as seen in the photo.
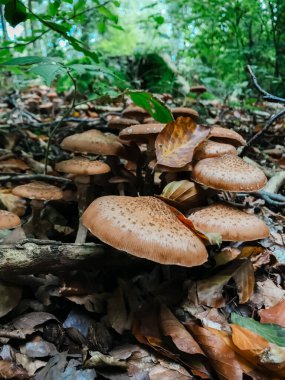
(270, 98)
(15, 177)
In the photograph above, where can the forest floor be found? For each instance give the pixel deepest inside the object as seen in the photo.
(112, 316)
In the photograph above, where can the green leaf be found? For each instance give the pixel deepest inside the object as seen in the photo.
(269, 331)
(48, 72)
(54, 7)
(155, 107)
(15, 12)
(108, 14)
(30, 60)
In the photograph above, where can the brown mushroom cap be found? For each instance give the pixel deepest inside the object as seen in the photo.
(95, 142)
(8, 220)
(141, 132)
(228, 173)
(210, 148)
(232, 223)
(38, 190)
(226, 135)
(144, 227)
(134, 112)
(199, 89)
(82, 166)
(121, 122)
(184, 112)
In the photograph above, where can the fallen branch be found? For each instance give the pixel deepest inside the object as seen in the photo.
(275, 183)
(15, 177)
(30, 257)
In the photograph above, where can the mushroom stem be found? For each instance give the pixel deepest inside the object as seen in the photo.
(83, 184)
(35, 225)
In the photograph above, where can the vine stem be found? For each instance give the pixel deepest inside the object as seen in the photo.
(60, 122)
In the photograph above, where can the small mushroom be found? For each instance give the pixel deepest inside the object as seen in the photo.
(228, 173)
(84, 170)
(208, 149)
(134, 112)
(38, 193)
(184, 112)
(226, 135)
(199, 89)
(121, 122)
(8, 221)
(144, 227)
(232, 223)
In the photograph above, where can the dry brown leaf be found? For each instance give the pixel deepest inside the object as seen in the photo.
(182, 339)
(274, 314)
(10, 297)
(175, 144)
(222, 358)
(13, 164)
(9, 370)
(267, 293)
(210, 289)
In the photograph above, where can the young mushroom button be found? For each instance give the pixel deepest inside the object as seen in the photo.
(9, 220)
(232, 223)
(144, 227)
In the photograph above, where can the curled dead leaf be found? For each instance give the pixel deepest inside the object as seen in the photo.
(175, 144)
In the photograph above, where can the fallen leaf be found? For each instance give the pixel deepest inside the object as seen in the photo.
(12, 203)
(270, 332)
(274, 314)
(210, 290)
(100, 360)
(222, 358)
(9, 370)
(181, 338)
(175, 144)
(267, 293)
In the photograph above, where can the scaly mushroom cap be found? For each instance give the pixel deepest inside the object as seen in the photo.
(38, 190)
(141, 132)
(232, 223)
(228, 136)
(134, 112)
(121, 122)
(208, 149)
(228, 173)
(184, 112)
(82, 166)
(8, 220)
(95, 142)
(144, 227)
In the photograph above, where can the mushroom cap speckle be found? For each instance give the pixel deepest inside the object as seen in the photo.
(39, 191)
(232, 223)
(184, 112)
(228, 173)
(210, 148)
(8, 220)
(141, 132)
(95, 142)
(226, 135)
(82, 166)
(144, 227)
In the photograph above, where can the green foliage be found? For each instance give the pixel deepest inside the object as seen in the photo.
(152, 105)
(269, 331)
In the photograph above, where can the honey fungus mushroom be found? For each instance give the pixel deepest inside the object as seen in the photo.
(208, 149)
(84, 170)
(228, 173)
(38, 193)
(227, 136)
(144, 227)
(232, 223)
(184, 112)
(135, 112)
(11, 221)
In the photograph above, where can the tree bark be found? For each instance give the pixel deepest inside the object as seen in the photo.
(32, 256)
